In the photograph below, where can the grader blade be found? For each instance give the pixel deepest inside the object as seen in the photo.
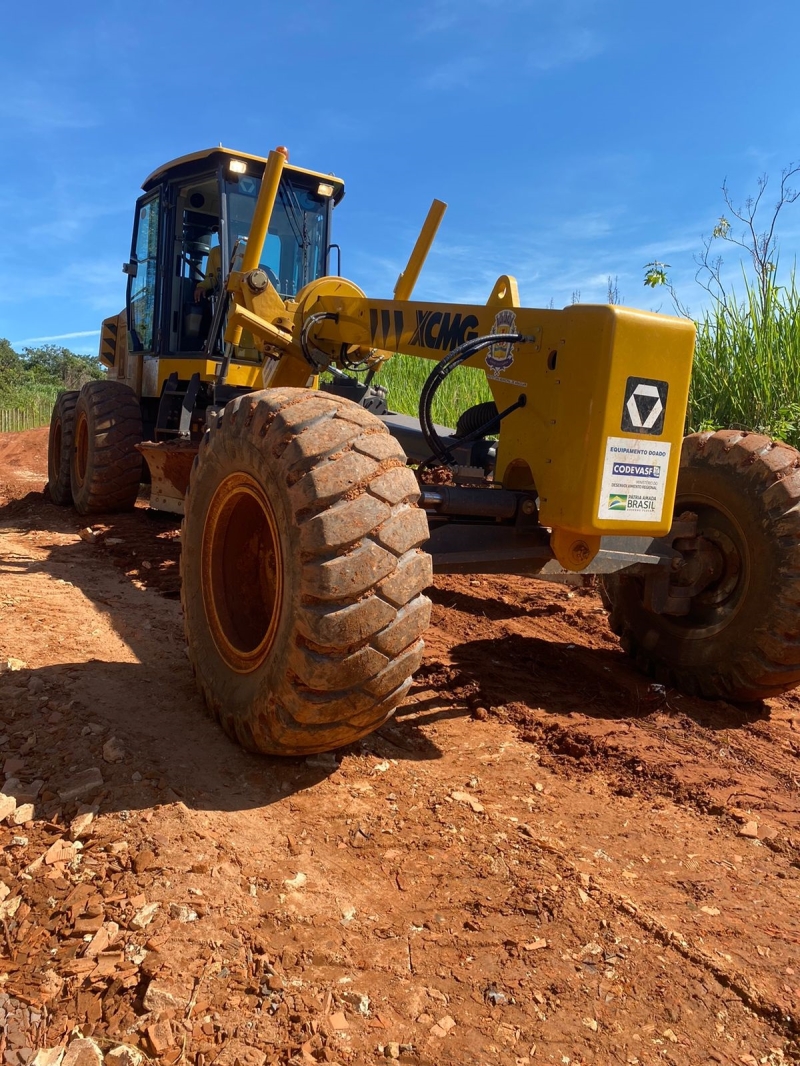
(170, 464)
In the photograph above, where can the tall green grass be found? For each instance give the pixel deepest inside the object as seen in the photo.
(26, 407)
(747, 364)
(404, 376)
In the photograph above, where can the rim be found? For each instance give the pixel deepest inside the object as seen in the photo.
(81, 447)
(716, 606)
(241, 572)
(55, 449)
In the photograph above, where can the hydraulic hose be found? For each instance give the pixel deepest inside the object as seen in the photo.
(439, 450)
(309, 350)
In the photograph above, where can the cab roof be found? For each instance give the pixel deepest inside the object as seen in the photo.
(184, 164)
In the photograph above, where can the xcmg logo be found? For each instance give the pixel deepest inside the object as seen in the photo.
(437, 330)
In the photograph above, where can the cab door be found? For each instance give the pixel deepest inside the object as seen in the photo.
(142, 298)
(143, 302)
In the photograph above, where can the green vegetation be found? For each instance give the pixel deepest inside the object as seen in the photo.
(31, 380)
(747, 364)
(404, 376)
(747, 361)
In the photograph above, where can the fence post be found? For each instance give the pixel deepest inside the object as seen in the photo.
(15, 419)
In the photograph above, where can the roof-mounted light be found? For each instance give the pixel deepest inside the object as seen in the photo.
(324, 189)
(237, 166)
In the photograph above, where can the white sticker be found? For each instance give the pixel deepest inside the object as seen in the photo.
(634, 479)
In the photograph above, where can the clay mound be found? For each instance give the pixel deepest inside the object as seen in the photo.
(23, 455)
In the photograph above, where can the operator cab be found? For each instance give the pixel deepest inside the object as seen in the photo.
(190, 229)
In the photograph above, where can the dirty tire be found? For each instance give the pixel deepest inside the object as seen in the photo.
(59, 448)
(301, 570)
(105, 467)
(741, 638)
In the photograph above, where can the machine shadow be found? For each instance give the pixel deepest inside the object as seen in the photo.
(490, 607)
(556, 678)
(172, 748)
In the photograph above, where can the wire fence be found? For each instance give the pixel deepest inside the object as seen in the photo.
(31, 416)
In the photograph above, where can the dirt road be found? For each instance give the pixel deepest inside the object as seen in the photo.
(542, 859)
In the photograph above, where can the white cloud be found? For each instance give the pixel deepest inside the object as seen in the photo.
(55, 337)
(44, 108)
(566, 49)
(454, 75)
(589, 226)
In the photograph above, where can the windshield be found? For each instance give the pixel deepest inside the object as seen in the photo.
(297, 240)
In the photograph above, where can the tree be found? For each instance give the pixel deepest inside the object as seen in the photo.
(52, 363)
(9, 359)
(757, 238)
(760, 245)
(41, 372)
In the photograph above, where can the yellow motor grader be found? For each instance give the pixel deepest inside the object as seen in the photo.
(314, 516)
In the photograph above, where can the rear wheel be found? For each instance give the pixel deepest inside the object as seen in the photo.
(741, 637)
(105, 467)
(301, 572)
(59, 448)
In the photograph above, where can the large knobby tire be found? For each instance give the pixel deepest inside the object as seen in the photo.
(59, 448)
(301, 572)
(741, 638)
(105, 467)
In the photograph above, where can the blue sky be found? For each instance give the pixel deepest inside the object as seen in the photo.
(572, 139)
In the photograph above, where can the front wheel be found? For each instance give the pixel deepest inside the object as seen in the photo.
(59, 448)
(105, 467)
(740, 639)
(301, 572)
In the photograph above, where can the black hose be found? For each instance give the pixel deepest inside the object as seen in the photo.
(477, 417)
(459, 355)
(306, 344)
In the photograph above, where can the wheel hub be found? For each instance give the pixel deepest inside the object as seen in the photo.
(241, 572)
(711, 575)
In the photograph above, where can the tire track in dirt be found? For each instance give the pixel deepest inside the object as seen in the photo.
(589, 704)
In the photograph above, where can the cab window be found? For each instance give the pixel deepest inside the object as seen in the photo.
(142, 293)
(296, 244)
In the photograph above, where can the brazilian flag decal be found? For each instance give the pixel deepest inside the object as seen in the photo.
(617, 503)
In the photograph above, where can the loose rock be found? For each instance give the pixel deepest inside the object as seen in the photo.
(48, 1056)
(465, 797)
(23, 814)
(82, 1052)
(79, 826)
(12, 665)
(162, 997)
(7, 806)
(182, 913)
(113, 750)
(144, 916)
(358, 1000)
(84, 783)
(61, 851)
(124, 1055)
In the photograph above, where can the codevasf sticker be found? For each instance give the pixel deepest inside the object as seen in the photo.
(634, 480)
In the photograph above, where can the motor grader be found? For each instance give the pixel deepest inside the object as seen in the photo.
(242, 369)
